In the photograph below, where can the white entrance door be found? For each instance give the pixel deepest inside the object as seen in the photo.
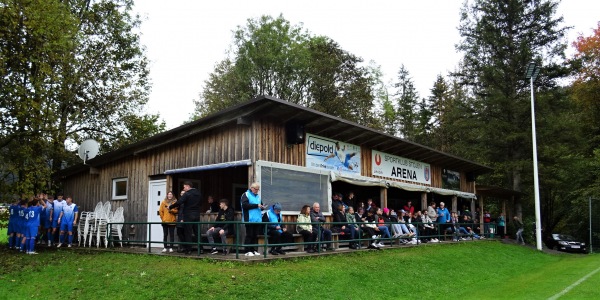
(156, 194)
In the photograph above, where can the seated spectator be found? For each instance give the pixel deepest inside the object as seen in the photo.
(402, 230)
(428, 228)
(339, 216)
(372, 229)
(277, 233)
(222, 226)
(351, 217)
(385, 232)
(306, 230)
(316, 217)
(467, 224)
(456, 228)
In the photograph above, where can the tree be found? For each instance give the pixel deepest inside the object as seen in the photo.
(500, 38)
(70, 70)
(586, 87)
(272, 57)
(407, 98)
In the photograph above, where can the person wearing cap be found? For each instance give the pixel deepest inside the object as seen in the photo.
(278, 234)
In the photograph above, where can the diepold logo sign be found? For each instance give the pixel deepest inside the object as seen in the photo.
(327, 154)
(397, 167)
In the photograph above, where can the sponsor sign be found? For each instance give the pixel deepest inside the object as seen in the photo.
(327, 154)
(397, 167)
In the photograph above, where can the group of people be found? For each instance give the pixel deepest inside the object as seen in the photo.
(179, 215)
(37, 219)
(407, 225)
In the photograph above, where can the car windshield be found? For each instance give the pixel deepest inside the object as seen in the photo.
(564, 237)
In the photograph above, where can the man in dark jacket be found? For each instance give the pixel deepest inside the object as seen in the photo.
(317, 218)
(190, 201)
(222, 226)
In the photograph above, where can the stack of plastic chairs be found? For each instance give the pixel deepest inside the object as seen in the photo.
(83, 219)
(102, 225)
(117, 229)
(90, 228)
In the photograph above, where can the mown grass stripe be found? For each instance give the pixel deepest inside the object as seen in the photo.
(578, 282)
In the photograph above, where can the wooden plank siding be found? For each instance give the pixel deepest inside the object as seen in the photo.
(264, 140)
(208, 148)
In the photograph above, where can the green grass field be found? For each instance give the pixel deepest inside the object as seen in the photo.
(470, 270)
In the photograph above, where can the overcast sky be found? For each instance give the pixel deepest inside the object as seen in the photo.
(186, 38)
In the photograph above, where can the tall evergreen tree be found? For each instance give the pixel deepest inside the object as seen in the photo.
(407, 99)
(500, 38)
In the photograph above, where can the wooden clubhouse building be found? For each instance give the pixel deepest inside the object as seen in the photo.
(298, 155)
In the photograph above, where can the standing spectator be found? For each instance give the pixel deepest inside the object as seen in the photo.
(191, 201)
(501, 225)
(443, 216)
(305, 228)
(432, 212)
(251, 212)
(69, 219)
(278, 234)
(487, 219)
(519, 227)
(351, 201)
(169, 218)
(317, 217)
(222, 226)
(179, 227)
(213, 206)
(409, 208)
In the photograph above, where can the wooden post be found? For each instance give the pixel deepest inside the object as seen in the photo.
(454, 203)
(424, 203)
(383, 196)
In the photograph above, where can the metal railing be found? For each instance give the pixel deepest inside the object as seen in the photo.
(441, 230)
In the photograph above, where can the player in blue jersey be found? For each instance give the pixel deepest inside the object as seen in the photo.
(21, 224)
(33, 212)
(48, 220)
(12, 224)
(57, 207)
(69, 219)
(42, 197)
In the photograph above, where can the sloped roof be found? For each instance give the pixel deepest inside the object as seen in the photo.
(315, 122)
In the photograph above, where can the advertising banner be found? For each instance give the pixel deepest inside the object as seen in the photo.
(331, 155)
(397, 167)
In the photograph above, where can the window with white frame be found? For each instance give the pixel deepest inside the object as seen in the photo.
(293, 186)
(119, 189)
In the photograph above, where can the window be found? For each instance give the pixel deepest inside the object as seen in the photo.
(119, 189)
(293, 186)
